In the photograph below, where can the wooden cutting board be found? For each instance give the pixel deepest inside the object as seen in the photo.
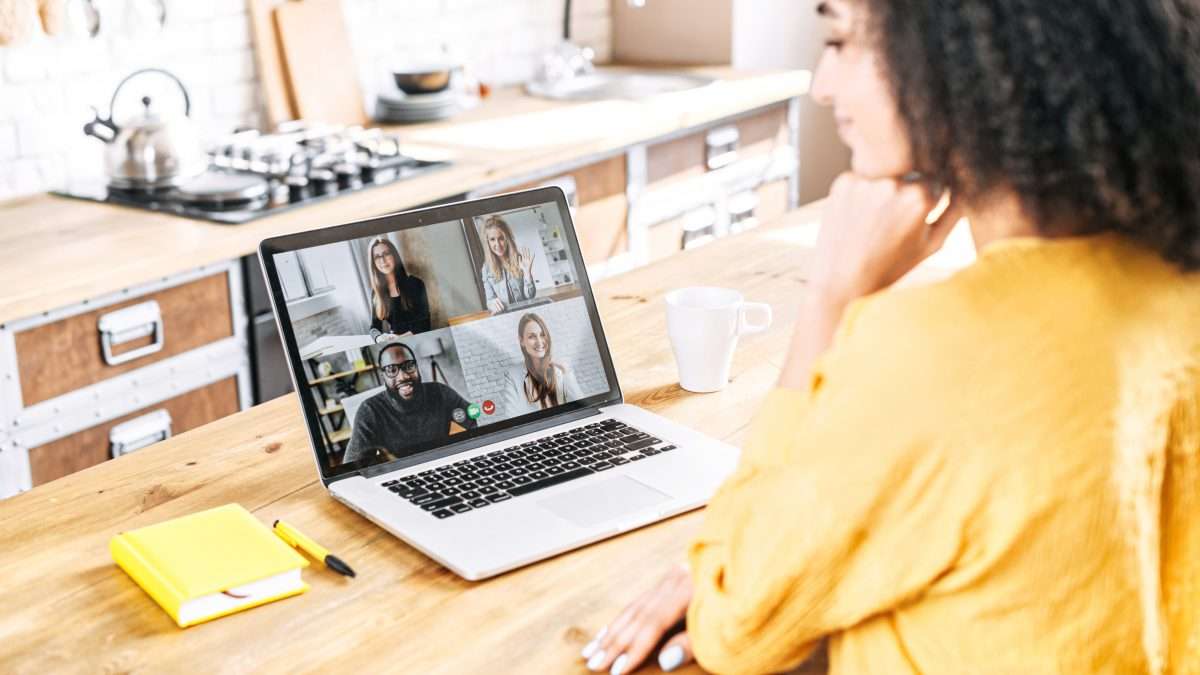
(319, 62)
(272, 73)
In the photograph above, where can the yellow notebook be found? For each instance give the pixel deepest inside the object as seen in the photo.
(209, 564)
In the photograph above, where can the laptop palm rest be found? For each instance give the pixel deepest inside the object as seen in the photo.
(603, 501)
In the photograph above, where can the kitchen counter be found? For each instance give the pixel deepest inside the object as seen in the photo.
(56, 251)
(70, 609)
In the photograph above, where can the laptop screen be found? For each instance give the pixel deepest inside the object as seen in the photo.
(413, 337)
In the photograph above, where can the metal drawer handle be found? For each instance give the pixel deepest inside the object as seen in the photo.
(721, 146)
(126, 325)
(139, 433)
(699, 228)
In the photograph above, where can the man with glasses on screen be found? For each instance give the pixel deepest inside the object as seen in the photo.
(408, 412)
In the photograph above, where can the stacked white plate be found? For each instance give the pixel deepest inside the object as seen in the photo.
(399, 108)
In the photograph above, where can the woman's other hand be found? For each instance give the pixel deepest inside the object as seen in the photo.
(496, 306)
(525, 260)
(624, 645)
(386, 338)
(873, 231)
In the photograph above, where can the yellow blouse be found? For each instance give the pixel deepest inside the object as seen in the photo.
(974, 482)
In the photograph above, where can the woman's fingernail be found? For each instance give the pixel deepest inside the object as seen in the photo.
(594, 662)
(589, 649)
(670, 658)
(618, 666)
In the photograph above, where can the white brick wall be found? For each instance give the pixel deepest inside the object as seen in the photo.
(47, 86)
(488, 348)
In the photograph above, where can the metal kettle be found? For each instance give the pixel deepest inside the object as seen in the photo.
(150, 151)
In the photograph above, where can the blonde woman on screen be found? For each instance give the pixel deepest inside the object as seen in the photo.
(507, 273)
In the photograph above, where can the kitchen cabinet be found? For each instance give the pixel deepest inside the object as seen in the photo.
(70, 378)
(716, 180)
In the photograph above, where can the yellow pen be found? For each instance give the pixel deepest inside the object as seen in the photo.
(298, 540)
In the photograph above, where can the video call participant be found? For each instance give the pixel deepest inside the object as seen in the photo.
(542, 382)
(399, 304)
(407, 412)
(507, 273)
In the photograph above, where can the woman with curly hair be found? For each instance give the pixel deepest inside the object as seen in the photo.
(998, 472)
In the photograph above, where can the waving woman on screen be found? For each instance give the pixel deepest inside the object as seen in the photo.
(507, 273)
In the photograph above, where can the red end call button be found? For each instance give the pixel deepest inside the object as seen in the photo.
(489, 407)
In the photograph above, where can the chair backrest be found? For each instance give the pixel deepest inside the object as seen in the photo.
(351, 403)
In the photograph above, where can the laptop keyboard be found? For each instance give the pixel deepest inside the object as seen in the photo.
(498, 476)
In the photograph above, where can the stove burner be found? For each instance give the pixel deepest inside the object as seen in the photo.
(252, 175)
(222, 190)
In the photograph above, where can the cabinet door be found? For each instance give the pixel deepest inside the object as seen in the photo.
(91, 446)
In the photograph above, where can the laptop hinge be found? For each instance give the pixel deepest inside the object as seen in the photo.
(487, 439)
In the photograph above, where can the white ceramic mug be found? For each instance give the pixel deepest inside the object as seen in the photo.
(704, 324)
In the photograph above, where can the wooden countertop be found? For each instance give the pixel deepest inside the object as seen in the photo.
(56, 251)
(68, 608)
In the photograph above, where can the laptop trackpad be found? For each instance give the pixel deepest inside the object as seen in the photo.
(603, 501)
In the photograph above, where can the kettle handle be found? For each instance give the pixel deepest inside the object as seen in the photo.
(187, 100)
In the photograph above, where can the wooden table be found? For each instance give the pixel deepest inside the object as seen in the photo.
(68, 608)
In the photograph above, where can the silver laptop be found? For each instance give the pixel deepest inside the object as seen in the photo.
(486, 437)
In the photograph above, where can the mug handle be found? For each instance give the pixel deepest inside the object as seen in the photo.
(762, 309)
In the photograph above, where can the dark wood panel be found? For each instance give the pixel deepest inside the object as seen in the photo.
(63, 356)
(90, 446)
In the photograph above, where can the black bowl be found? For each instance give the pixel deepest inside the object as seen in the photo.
(422, 81)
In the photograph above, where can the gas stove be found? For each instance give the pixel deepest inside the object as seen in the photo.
(252, 175)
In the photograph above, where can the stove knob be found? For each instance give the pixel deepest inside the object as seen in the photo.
(347, 175)
(322, 181)
(367, 171)
(297, 187)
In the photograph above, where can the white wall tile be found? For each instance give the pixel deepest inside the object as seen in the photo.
(8, 142)
(47, 86)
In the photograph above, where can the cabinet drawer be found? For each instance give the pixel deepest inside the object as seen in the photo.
(758, 135)
(59, 357)
(91, 446)
(603, 208)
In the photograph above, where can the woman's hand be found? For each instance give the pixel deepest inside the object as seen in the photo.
(525, 260)
(496, 306)
(624, 644)
(873, 232)
(386, 338)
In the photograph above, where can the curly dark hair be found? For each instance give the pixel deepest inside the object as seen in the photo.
(1089, 110)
